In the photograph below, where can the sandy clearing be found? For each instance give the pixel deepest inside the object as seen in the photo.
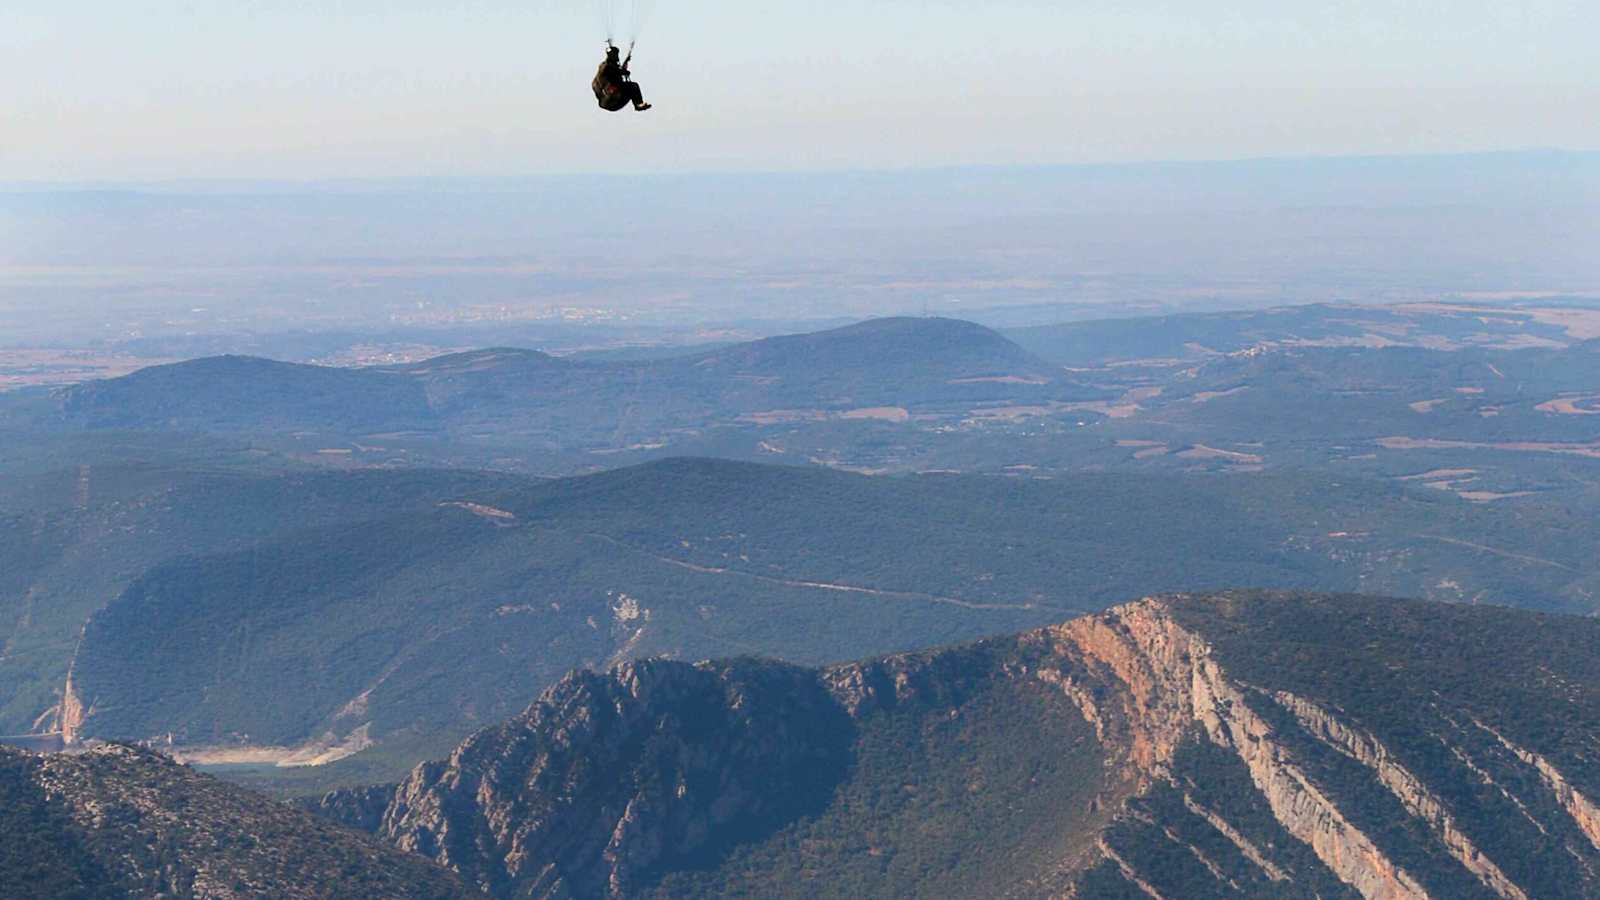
(613, 451)
(880, 413)
(328, 749)
(1371, 341)
(1436, 474)
(480, 510)
(1572, 405)
(1013, 413)
(783, 416)
(1124, 407)
(1206, 396)
(1579, 324)
(1425, 406)
(1110, 408)
(230, 756)
(1490, 496)
(838, 466)
(999, 379)
(1517, 342)
(1591, 451)
(1201, 451)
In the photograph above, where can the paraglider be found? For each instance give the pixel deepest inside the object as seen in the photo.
(613, 84)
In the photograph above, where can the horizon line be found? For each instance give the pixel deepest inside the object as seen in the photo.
(333, 181)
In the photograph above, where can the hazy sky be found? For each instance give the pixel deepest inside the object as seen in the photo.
(107, 89)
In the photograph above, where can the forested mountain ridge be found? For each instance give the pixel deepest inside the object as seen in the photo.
(1527, 398)
(1503, 398)
(1198, 336)
(1239, 744)
(412, 629)
(938, 366)
(118, 821)
(72, 540)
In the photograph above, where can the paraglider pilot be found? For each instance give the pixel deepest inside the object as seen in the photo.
(614, 86)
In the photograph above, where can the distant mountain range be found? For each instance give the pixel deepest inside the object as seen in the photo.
(1237, 744)
(347, 603)
(1340, 395)
(887, 368)
(1300, 386)
(1198, 336)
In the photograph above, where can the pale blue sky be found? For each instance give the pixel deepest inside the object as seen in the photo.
(106, 89)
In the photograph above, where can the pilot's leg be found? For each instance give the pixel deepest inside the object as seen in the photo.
(637, 96)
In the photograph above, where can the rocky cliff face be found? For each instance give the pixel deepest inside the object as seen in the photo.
(1174, 690)
(1242, 744)
(614, 779)
(116, 821)
(71, 712)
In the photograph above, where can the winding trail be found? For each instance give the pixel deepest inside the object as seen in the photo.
(1504, 553)
(823, 585)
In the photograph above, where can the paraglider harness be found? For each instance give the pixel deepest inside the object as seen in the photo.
(608, 82)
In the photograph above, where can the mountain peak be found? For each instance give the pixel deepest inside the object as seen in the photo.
(913, 325)
(899, 348)
(225, 393)
(932, 331)
(1182, 745)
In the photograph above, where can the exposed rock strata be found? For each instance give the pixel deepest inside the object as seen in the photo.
(614, 782)
(1580, 808)
(1417, 799)
(1245, 847)
(1172, 682)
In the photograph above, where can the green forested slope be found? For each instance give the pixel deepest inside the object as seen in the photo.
(413, 629)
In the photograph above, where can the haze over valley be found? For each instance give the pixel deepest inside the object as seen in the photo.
(906, 450)
(307, 578)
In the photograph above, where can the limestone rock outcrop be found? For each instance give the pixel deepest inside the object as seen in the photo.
(1226, 745)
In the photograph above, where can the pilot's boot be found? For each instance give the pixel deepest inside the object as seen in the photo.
(641, 107)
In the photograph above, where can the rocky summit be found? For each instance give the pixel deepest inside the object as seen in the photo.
(117, 821)
(1235, 744)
